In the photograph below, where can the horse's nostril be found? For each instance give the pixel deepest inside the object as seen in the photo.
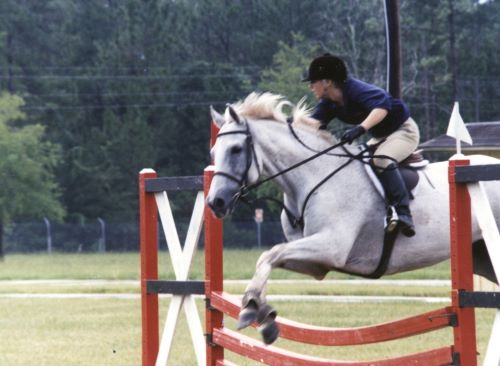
(219, 203)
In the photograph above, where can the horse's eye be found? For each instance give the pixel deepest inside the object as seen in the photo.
(236, 150)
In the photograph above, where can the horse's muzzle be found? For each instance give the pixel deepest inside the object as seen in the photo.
(218, 206)
(222, 196)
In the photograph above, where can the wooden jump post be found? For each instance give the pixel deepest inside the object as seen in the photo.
(154, 203)
(466, 188)
(460, 315)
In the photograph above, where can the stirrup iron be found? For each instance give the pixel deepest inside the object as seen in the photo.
(391, 219)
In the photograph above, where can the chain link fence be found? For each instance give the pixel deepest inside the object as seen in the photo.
(101, 236)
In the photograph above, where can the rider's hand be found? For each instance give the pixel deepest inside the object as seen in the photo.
(353, 133)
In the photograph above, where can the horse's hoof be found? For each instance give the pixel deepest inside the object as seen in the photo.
(270, 331)
(247, 316)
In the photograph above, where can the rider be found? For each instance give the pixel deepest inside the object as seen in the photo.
(372, 109)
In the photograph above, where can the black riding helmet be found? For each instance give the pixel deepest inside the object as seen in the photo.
(328, 67)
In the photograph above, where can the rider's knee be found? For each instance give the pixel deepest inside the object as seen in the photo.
(381, 164)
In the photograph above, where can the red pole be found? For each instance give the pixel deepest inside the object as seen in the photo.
(149, 269)
(461, 266)
(213, 274)
(214, 130)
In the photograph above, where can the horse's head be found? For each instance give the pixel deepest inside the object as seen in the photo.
(235, 161)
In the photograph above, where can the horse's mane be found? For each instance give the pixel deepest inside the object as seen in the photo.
(270, 106)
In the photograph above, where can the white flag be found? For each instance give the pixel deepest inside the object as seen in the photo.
(456, 127)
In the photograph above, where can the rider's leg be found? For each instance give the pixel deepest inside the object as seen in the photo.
(397, 147)
(397, 196)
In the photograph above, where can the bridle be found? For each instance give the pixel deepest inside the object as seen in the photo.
(245, 188)
(250, 156)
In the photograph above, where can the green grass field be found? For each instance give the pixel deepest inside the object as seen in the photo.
(238, 264)
(41, 331)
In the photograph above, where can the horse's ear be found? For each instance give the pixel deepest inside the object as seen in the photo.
(233, 114)
(217, 118)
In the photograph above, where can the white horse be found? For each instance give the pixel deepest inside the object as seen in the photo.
(343, 219)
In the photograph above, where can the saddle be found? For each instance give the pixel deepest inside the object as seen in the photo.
(408, 168)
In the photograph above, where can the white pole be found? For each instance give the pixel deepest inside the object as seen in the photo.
(387, 47)
(102, 240)
(49, 235)
(259, 218)
(259, 235)
(492, 357)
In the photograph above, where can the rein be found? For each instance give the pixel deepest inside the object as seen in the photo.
(246, 188)
(389, 237)
(347, 152)
(289, 122)
(298, 221)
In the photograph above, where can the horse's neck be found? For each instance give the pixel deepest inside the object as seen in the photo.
(281, 150)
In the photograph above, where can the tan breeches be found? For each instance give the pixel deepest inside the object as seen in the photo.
(398, 145)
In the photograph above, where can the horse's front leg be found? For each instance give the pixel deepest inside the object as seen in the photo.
(311, 255)
(255, 292)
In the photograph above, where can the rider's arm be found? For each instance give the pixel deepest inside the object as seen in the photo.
(372, 99)
(374, 118)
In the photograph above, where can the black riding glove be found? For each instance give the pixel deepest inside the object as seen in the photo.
(353, 133)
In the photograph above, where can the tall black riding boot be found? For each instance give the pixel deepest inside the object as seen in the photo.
(397, 195)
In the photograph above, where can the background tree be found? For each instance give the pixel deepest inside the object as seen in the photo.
(289, 67)
(122, 85)
(27, 163)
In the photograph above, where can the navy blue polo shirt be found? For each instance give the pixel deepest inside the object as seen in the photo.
(360, 99)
